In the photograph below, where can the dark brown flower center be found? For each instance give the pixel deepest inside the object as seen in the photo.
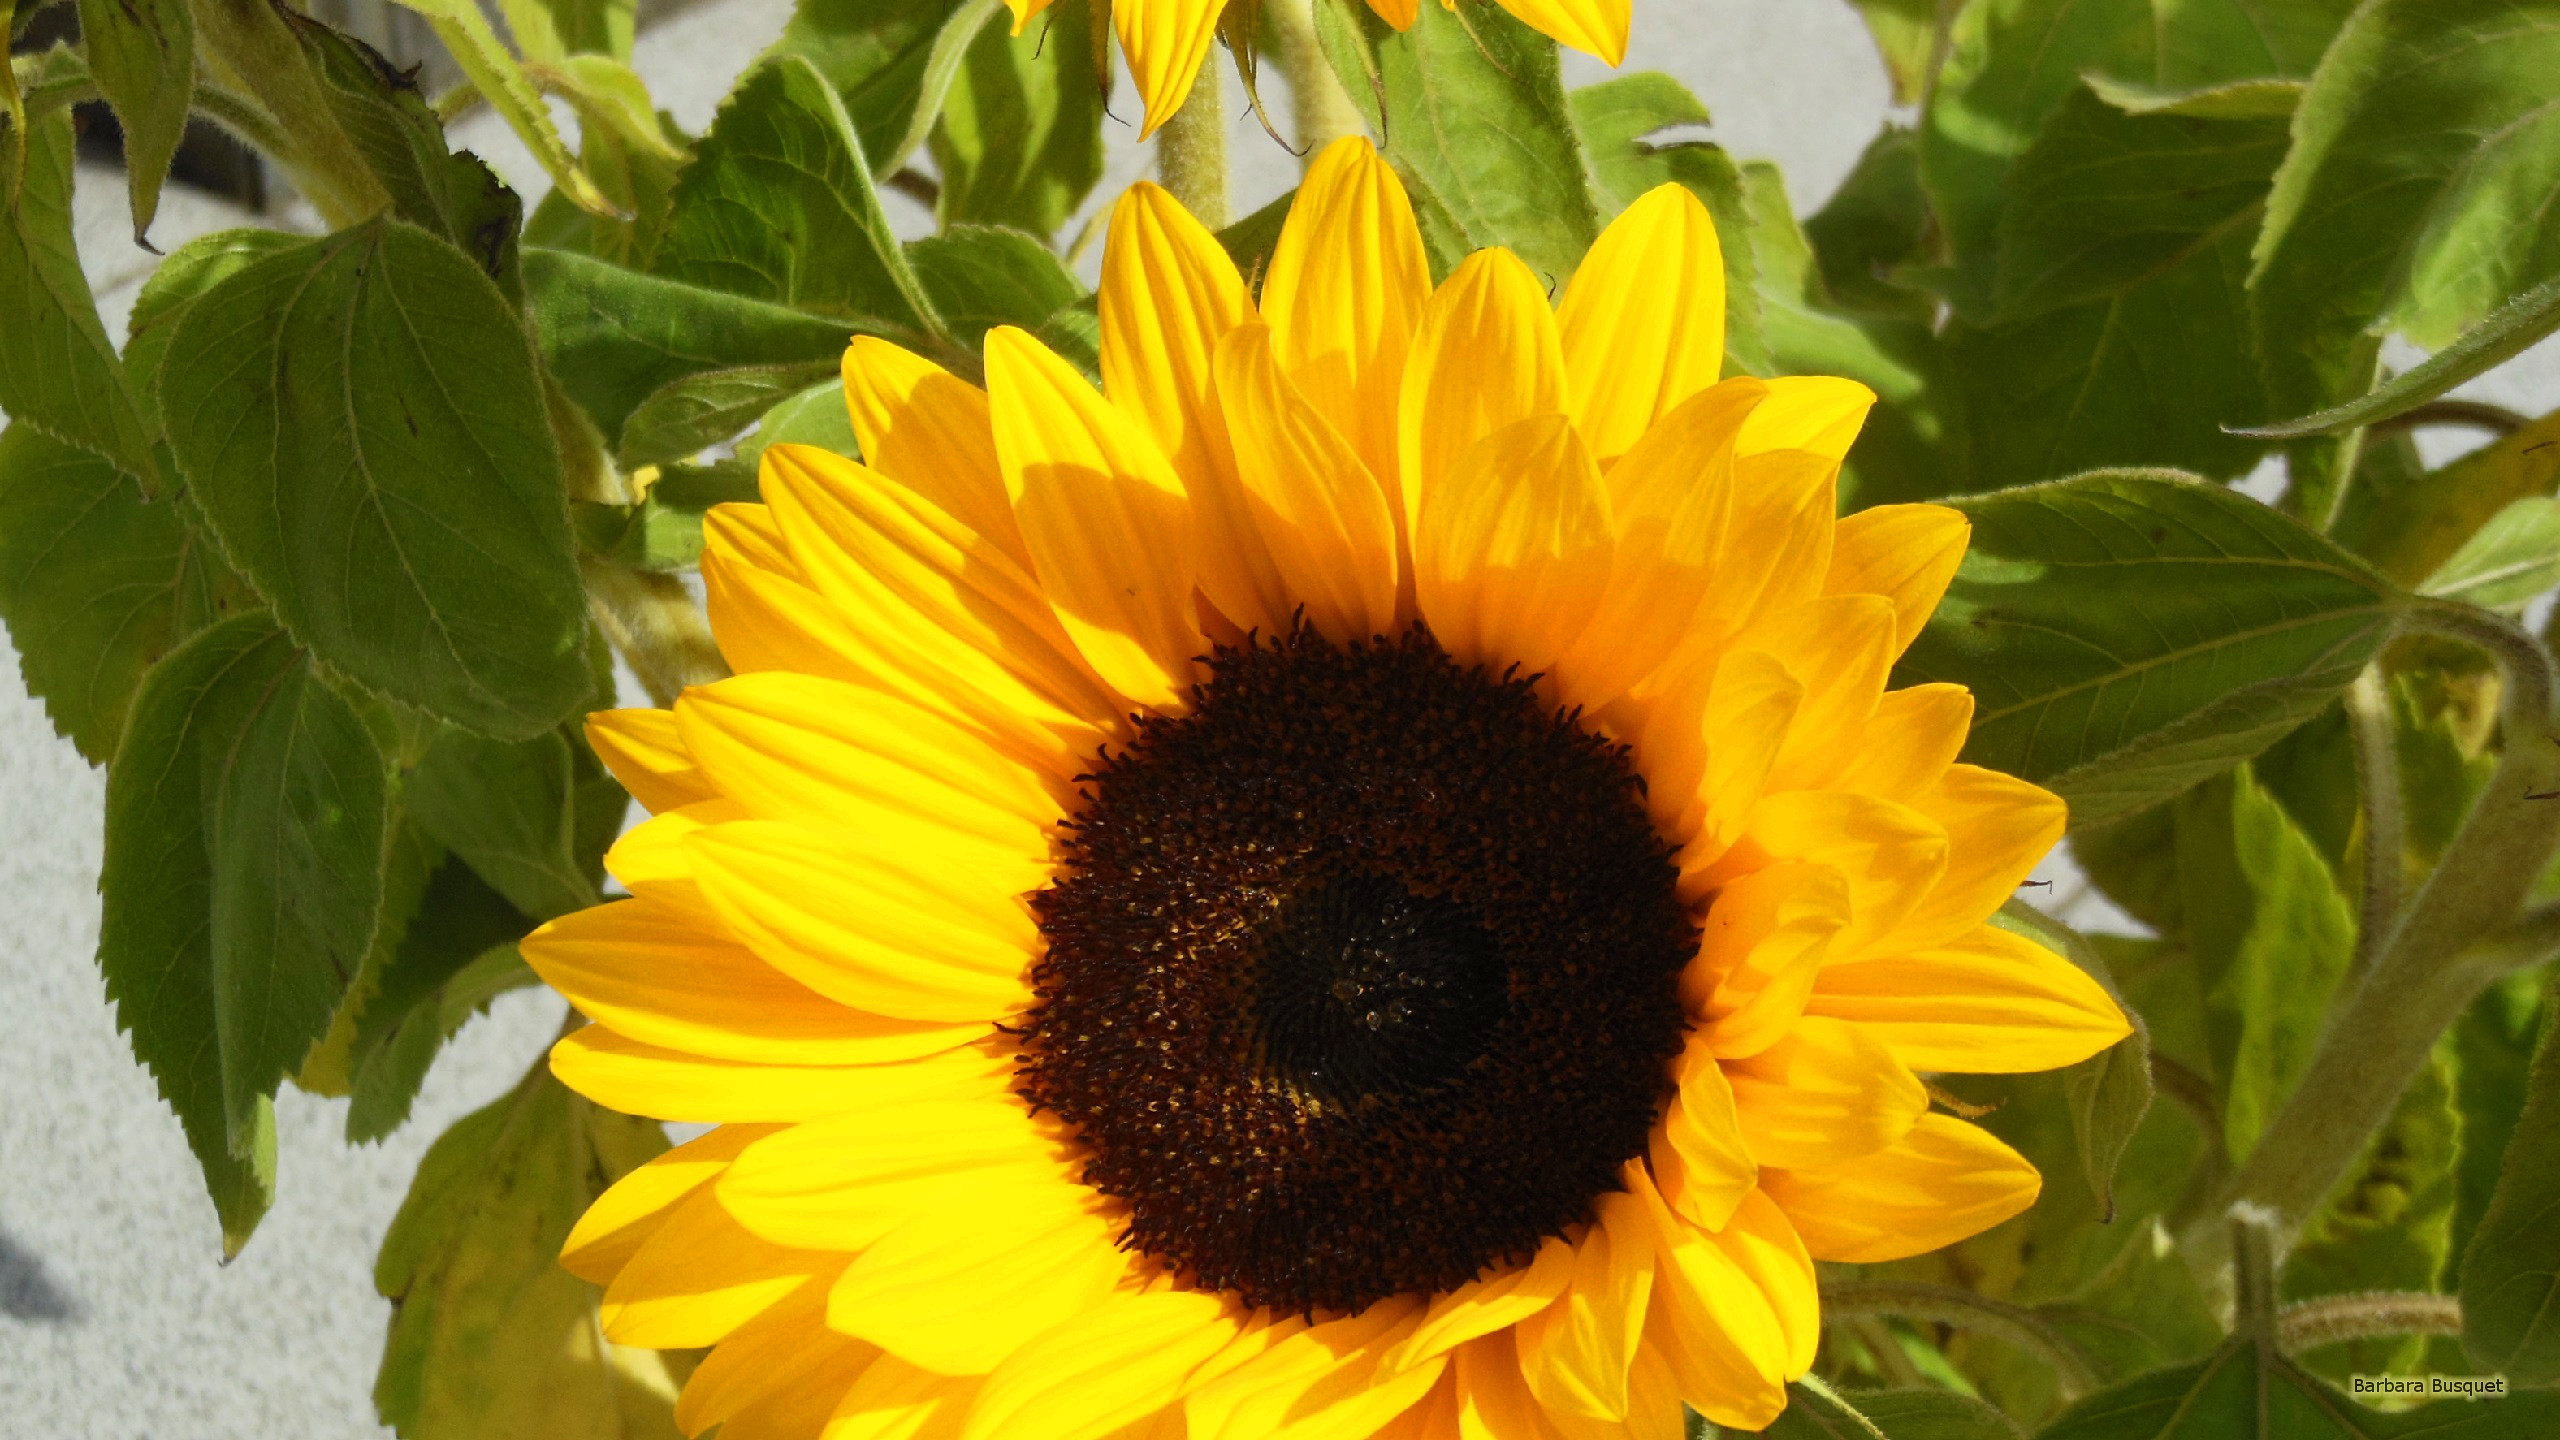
(1361, 977)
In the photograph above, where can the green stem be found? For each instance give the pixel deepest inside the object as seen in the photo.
(1323, 108)
(652, 621)
(2371, 1314)
(248, 122)
(1191, 149)
(252, 41)
(2368, 706)
(1965, 1310)
(2444, 950)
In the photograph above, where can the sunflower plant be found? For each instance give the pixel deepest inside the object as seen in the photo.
(1427, 813)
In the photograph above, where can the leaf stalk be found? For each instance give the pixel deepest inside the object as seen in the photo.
(1191, 149)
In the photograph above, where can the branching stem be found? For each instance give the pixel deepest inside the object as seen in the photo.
(1323, 108)
(1965, 1310)
(2370, 1314)
(2368, 705)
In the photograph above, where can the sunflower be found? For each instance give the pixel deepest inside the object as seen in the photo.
(1361, 880)
(1166, 40)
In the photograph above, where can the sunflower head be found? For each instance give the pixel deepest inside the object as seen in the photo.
(1361, 878)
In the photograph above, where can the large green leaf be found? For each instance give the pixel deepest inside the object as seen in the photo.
(2498, 337)
(242, 876)
(873, 52)
(490, 1339)
(778, 205)
(57, 371)
(2129, 633)
(1907, 35)
(174, 285)
(457, 954)
(2011, 63)
(1613, 119)
(2247, 1391)
(1020, 138)
(1476, 122)
(2410, 521)
(143, 55)
(2417, 192)
(360, 418)
(2506, 562)
(689, 414)
(616, 336)
(2511, 1271)
(1875, 224)
(508, 809)
(96, 582)
(981, 276)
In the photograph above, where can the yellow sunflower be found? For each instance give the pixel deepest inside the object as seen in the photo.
(1166, 40)
(1362, 880)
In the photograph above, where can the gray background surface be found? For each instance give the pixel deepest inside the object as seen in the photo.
(115, 1318)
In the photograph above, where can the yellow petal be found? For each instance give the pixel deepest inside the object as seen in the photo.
(1484, 356)
(1700, 1162)
(1751, 710)
(650, 857)
(843, 1183)
(629, 1212)
(821, 752)
(1824, 1094)
(1840, 647)
(699, 1278)
(1670, 499)
(1104, 515)
(1942, 1182)
(779, 1350)
(1480, 1307)
(1317, 512)
(1906, 553)
(896, 564)
(1121, 1362)
(1165, 41)
(1778, 541)
(1764, 938)
(1819, 413)
(1494, 1402)
(1575, 1353)
(1891, 855)
(1910, 740)
(1345, 290)
(639, 1079)
(1721, 1332)
(1023, 10)
(893, 1400)
(1594, 27)
(636, 967)
(927, 429)
(1764, 1243)
(1998, 828)
(1643, 321)
(922, 1293)
(1399, 13)
(1989, 1002)
(1327, 1382)
(929, 933)
(644, 752)
(799, 1408)
(1511, 550)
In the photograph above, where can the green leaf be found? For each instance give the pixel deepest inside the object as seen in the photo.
(616, 336)
(490, 1339)
(2012, 63)
(2271, 936)
(2496, 338)
(58, 373)
(1876, 223)
(2415, 195)
(1251, 241)
(631, 152)
(361, 419)
(173, 286)
(778, 206)
(2506, 562)
(1613, 119)
(508, 809)
(400, 140)
(2511, 1270)
(981, 276)
(2110, 1091)
(2411, 522)
(1019, 142)
(2246, 1391)
(2129, 633)
(97, 581)
(1907, 35)
(143, 56)
(2493, 1063)
(2232, 100)
(1477, 125)
(242, 876)
(686, 415)
(2388, 1224)
(407, 861)
(2105, 199)
(1932, 1415)
(547, 30)
(457, 954)
(816, 416)
(873, 52)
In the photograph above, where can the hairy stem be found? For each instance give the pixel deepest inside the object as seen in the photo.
(2368, 705)
(2370, 1314)
(652, 622)
(1191, 149)
(2441, 953)
(1323, 108)
(253, 42)
(1965, 1310)
(2479, 414)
